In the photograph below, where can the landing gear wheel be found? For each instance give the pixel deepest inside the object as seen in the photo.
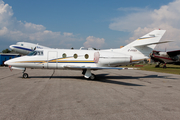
(25, 75)
(164, 66)
(157, 66)
(92, 77)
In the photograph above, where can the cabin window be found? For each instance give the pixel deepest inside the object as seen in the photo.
(86, 56)
(64, 55)
(39, 52)
(75, 56)
(21, 44)
(33, 53)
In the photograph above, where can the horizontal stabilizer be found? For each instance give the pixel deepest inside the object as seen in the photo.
(146, 44)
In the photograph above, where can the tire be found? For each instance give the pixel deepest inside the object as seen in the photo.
(164, 66)
(92, 77)
(25, 75)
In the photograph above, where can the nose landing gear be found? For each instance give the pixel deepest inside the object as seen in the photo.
(25, 75)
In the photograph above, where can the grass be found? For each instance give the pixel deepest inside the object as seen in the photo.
(172, 69)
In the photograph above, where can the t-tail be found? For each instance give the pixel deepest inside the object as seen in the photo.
(141, 48)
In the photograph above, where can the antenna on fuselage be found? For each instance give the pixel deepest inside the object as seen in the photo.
(81, 48)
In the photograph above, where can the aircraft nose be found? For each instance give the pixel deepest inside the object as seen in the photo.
(11, 46)
(6, 62)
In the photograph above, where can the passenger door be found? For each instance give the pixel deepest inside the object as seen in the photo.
(52, 59)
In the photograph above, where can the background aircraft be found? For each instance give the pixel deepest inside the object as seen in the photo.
(87, 60)
(26, 47)
(170, 57)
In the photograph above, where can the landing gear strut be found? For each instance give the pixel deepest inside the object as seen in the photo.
(164, 66)
(25, 75)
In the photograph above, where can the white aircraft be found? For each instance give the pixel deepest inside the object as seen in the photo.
(88, 60)
(26, 47)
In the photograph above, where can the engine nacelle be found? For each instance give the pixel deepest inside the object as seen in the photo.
(114, 59)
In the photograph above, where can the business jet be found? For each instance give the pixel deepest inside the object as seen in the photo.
(170, 57)
(26, 47)
(87, 60)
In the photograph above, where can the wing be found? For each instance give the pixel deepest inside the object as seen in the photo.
(96, 68)
(173, 53)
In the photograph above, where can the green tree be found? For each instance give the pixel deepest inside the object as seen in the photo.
(6, 51)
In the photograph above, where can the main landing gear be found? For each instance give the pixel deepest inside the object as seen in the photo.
(25, 75)
(87, 74)
(158, 65)
(164, 66)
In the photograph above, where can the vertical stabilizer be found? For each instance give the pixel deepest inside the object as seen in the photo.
(142, 47)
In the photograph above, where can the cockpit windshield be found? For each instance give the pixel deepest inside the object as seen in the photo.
(33, 53)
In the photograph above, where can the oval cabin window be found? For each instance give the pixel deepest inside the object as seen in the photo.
(86, 56)
(64, 55)
(75, 56)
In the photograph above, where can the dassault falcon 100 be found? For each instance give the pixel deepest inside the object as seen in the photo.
(87, 60)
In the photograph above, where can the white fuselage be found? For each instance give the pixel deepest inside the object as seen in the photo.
(60, 58)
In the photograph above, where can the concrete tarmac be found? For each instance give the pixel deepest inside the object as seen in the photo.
(66, 95)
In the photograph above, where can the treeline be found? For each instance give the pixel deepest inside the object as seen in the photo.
(6, 51)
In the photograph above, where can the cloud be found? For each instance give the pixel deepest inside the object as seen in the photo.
(141, 22)
(132, 9)
(94, 42)
(139, 18)
(68, 34)
(13, 30)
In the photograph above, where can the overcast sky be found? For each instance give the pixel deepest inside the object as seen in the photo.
(87, 23)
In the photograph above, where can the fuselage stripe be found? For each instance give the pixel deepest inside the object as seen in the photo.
(162, 57)
(56, 62)
(145, 38)
(22, 48)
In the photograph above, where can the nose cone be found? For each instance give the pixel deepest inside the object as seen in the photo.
(12, 47)
(6, 62)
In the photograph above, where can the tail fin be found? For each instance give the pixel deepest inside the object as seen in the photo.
(151, 38)
(142, 47)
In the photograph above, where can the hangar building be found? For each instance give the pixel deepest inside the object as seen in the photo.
(7, 56)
